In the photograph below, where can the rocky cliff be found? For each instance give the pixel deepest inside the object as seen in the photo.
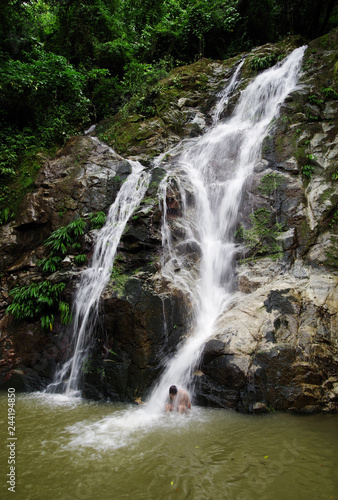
(276, 348)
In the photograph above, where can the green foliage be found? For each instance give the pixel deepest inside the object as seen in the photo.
(66, 315)
(261, 238)
(82, 26)
(139, 87)
(80, 259)
(65, 236)
(150, 200)
(60, 241)
(36, 301)
(258, 63)
(43, 91)
(47, 322)
(270, 183)
(203, 23)
(119, 279)
(260, 19)
(105, 92)
(140, 76)
(16, 27)
(5, 215)
(101, 372)
(315, 100)
(308, 169)
(50, 264)
(239, 233)
(41, 102)
(330, 92)
(87, 366)
(311, 117)
(97, 220)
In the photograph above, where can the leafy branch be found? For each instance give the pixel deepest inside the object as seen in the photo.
(37, 300)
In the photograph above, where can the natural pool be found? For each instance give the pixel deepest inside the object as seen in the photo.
(73, 449)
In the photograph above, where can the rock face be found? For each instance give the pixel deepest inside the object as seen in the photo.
(139, 322)
(84, 177)
(276, 348)
(278, 344)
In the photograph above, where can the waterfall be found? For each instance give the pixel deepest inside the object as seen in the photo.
(225, 94)
(94, 279)
(209, 178)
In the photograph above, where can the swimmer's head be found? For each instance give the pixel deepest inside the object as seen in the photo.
(172, 391)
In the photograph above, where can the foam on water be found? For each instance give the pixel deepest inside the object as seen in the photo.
(128, 427)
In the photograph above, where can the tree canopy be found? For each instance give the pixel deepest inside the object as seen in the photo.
(67, 63)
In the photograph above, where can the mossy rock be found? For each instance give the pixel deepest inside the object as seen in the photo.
(267, 55)
(135, 134)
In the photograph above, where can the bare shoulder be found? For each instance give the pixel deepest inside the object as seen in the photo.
(184, 396)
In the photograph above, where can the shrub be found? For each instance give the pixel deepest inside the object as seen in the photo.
(80, 259)
(50, 264)
(308, 168)
(97, 220)
(330, 92)
(38, 301)
(66, 236)
(59, 241)
(259, 63)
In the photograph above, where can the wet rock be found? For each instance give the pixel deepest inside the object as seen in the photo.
(29, 356)
(291, 165)
(278, 299)
(273, 356)
(141, 328)
(287, 239)
(22, 379)
(259, 408)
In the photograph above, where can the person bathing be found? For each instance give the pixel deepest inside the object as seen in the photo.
(178, 400)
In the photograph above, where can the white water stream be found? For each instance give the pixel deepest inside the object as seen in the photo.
(210, 175)
(96, 277)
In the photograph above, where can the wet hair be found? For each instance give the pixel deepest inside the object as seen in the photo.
(173, 390)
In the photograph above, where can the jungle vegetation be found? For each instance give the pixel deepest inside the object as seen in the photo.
(65, 64)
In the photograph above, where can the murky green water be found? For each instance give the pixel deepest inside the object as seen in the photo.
(80, 450)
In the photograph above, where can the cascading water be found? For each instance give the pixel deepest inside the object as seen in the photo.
(210, 177)
(95, 278)
(224, 96)
(209, 174)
